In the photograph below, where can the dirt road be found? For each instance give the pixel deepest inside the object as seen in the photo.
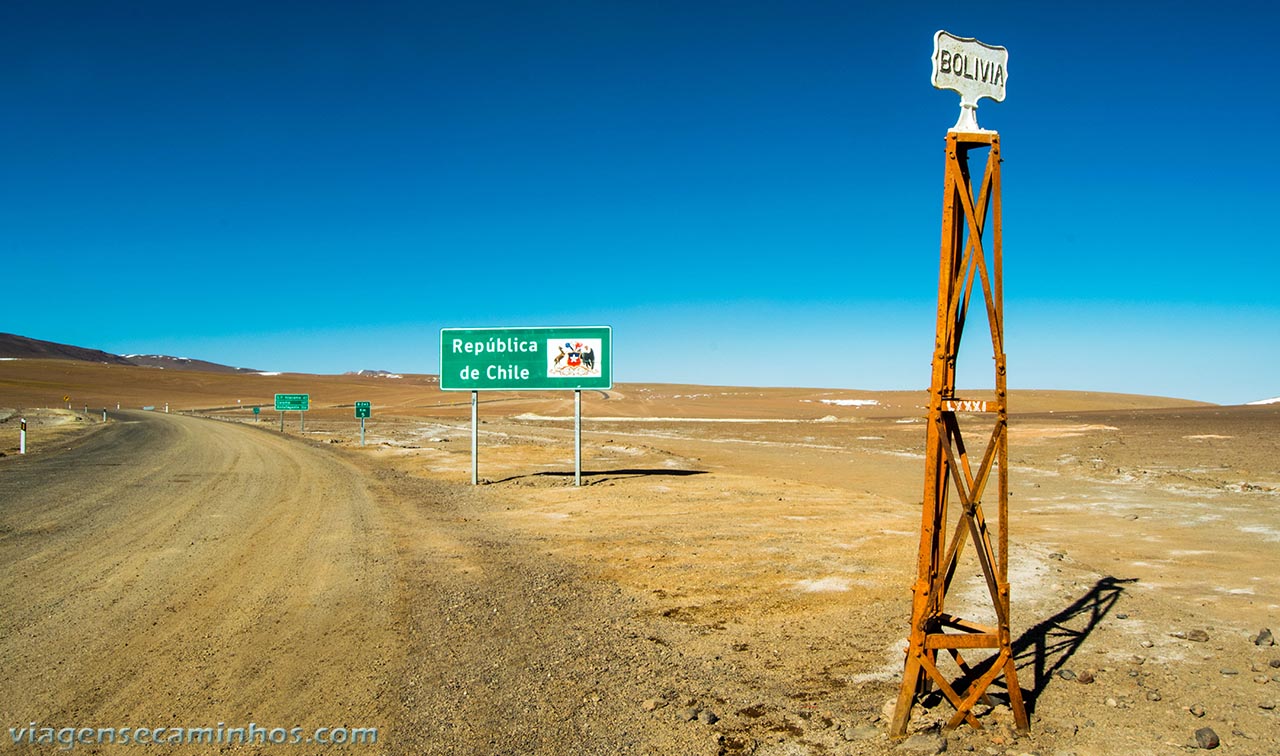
(174, 572)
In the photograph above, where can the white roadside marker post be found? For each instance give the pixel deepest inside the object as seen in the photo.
(104, 414)
(22, 436)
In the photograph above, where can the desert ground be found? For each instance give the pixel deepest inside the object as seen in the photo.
(733, 576)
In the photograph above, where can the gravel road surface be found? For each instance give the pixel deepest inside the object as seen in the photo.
(176, 572)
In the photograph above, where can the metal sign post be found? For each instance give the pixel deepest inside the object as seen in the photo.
(299, 403)
(475, 445)
(563, 358)
(577, 437)
(363, 410)
(975, 70)
(256, 411)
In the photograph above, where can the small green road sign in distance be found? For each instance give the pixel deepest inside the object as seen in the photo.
(526, 359)
(364, 409)
(257, 410)
(293, 402)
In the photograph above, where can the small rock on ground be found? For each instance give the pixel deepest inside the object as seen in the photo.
(1206, 738)
(922, 743)
(860, 732)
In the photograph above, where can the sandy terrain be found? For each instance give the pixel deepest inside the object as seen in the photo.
(736, 555)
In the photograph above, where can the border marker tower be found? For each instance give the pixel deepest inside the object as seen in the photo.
(971, 208)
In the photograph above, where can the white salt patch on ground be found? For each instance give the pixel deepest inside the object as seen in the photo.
(266, 374)
(1028, 571)
(1269, 534)
(890, 670)
(1205, 436)
(628, 450)
(847, 402)
(904, 455)
(549, 418)
(856, 543)
(1273, 400)
(823, 585)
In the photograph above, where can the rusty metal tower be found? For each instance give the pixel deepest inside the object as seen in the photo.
(953, 513)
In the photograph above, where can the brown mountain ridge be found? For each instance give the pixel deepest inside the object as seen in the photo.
(13, 346)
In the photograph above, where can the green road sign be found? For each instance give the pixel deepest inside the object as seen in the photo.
(364, 409)
(526, 359)
(256, 410)
(293, 402)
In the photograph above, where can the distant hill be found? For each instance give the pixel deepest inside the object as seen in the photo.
(165, 362)
(21, 347)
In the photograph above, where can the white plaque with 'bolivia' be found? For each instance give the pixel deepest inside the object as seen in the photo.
(971, 69)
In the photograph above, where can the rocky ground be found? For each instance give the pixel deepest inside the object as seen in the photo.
(744, 587)
(734, 575)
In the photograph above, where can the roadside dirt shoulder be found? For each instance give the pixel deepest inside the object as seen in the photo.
(47, 429)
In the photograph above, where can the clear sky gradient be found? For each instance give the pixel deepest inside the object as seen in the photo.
(749, 193)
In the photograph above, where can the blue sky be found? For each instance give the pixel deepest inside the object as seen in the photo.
(749, 193)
